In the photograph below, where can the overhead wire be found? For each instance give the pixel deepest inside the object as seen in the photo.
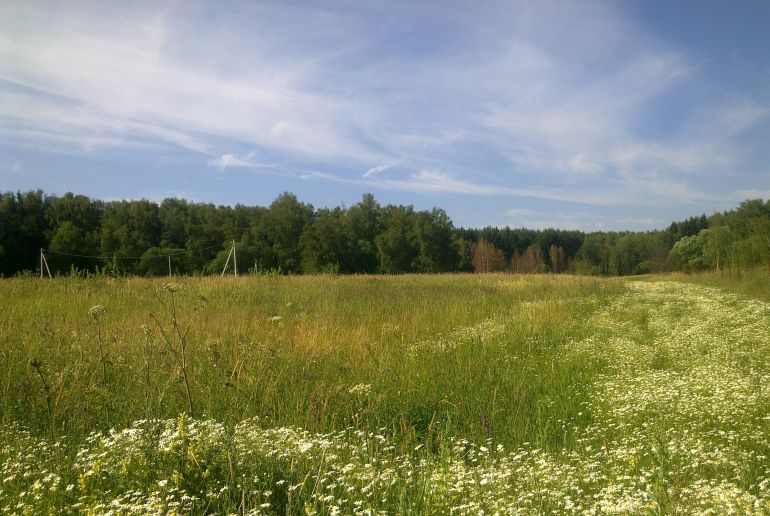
(117, 257)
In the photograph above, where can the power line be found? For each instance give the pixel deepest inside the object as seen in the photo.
(130, 257)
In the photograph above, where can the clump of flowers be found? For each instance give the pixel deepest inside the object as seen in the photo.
(361, 389)
(173, 287)
(96, 312)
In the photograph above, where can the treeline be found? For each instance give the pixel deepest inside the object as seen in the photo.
(143, 237)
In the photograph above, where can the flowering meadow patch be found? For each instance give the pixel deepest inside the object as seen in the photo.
(673, 418)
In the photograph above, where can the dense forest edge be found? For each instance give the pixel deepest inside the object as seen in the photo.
(81, 235)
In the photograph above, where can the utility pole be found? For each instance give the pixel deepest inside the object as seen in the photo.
(227, 262)
(43, 261)
(235, 259)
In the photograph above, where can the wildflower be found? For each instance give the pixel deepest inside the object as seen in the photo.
(361, 389)
(96, 312)
(173, 287)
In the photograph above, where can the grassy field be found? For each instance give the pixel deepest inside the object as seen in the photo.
(753, 283)
(407, 394)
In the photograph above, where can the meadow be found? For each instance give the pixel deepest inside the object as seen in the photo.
(419, 394)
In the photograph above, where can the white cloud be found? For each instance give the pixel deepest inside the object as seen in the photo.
(438, 181)
(128, 79)
(425, 181)
(375, 170)
(642, 222)
(576, 125)
(690, 158)
(546, 100)
(736, 117)
(659, 188)
(582, 164)
(37, 118)
(753, 193)
(520, 212)
(226, 161)
(381, 168)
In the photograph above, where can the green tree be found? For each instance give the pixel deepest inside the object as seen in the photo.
(434, 236)
(326, 243)
(719, 240)
(397, 244)
(129, 229)
(365, 222)
(691, 251)
(285, 221)
(23, 228)
(68, 240)
(173, 215)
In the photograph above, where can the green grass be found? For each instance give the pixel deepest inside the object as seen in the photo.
(405, 394)
(288, 350)
(752, 282)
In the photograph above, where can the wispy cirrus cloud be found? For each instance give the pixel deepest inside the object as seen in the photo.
(436, 181)
(128, 81)
(433, 181)
(226, 161)
(752, 193)
(381, 168)
(575, 220)
(520, 212)
(547, 101)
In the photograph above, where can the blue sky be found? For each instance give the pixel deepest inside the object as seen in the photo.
(570, 114)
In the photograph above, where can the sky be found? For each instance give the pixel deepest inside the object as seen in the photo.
(618, 115)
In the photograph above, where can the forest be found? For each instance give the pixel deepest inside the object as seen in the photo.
(81, 235)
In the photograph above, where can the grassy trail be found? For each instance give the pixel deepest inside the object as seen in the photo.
(552, 395)
(680, 417)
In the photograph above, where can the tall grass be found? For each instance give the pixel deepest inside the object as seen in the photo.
(368, 395)
(290, 349)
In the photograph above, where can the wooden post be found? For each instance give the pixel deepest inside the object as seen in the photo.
(235, 260)
(44, 261)
(169, 266)
(227, 261)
